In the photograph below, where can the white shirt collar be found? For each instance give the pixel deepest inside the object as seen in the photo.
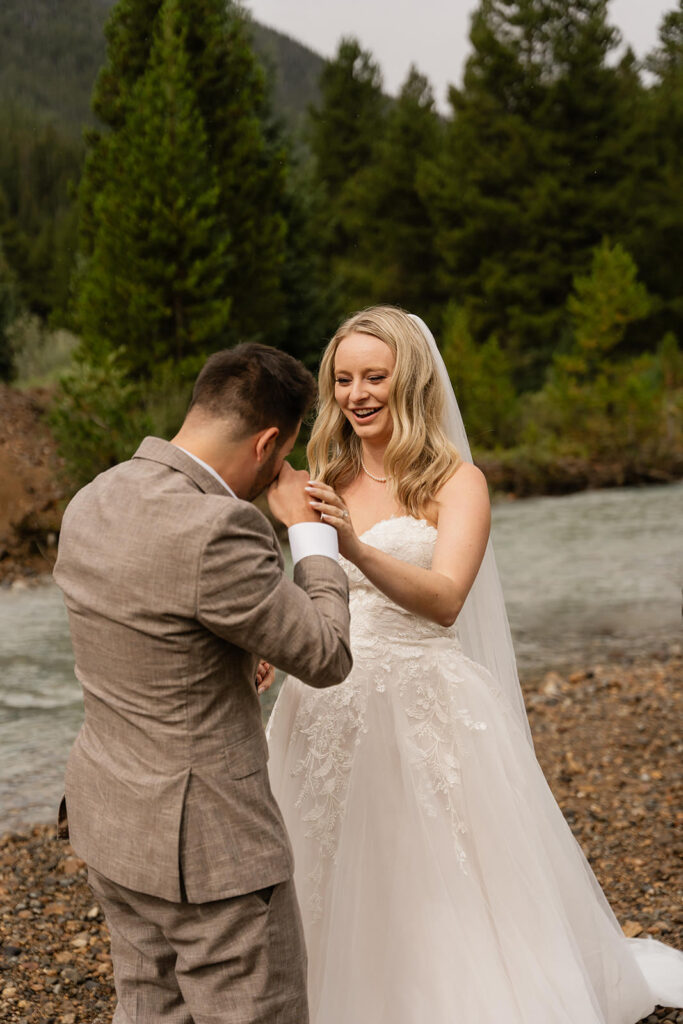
(209, 469)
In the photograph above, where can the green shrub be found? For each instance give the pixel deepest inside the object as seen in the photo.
(7, 313)
(98, 417)
(41, 355)
(482, 381)
(167, 396)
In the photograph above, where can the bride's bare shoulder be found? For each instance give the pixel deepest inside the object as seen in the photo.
(467, 479)
(464, 494)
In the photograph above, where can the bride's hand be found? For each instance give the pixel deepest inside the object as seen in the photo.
(265, 676)
(332, 510)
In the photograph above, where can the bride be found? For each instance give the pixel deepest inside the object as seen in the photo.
(438, 880)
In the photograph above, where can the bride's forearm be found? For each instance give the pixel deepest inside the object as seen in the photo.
(420, 591)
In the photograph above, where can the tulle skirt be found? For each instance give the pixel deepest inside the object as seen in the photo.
(438, 880)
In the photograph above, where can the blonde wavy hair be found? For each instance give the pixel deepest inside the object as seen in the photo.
(419, 457)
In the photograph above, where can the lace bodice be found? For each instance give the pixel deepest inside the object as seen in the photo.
(374, 617)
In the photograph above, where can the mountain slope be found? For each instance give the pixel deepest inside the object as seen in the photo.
(51, 51)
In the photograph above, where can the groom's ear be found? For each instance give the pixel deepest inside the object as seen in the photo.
(266, 442)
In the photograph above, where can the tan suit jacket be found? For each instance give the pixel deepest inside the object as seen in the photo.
(174, 590)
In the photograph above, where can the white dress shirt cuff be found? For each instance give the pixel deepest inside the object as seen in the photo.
(313, 539)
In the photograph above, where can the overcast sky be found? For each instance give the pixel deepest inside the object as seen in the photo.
(430, 33)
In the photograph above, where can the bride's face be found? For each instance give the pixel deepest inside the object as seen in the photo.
(363, 366)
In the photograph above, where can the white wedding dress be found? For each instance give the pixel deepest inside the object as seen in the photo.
(438, 880)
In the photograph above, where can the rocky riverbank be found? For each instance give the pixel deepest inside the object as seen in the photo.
(608, 739)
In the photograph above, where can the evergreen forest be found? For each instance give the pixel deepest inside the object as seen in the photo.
(175, 178)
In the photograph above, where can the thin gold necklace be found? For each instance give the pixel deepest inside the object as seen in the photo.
(379, 479)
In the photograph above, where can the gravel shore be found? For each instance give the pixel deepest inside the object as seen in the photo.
(609, 741)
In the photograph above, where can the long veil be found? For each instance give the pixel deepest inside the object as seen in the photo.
(483, 624)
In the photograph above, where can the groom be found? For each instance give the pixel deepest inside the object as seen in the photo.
(175, 590)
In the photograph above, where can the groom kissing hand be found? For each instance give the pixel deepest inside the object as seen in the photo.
(175, 590)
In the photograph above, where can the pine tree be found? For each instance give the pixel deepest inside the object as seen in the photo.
(603, 304)
(306, 322)
(653, 190)
(525, 187)
(666, 61)
(345, 126)
(343, 133)
(586, 120)
(488, 186)
(595, 403)
(395, 259)
(250, 160)
(38, 167)
(247, 156)
(482, 381)
(129, 33)
(155, 285)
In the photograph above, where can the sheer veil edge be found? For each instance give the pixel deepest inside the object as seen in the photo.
(483, 624)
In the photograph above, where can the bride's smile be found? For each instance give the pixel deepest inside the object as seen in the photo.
(362, 382)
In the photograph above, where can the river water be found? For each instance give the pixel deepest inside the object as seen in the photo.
(586, 577)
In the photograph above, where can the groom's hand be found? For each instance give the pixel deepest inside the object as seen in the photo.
(288, 500)
(265, 676)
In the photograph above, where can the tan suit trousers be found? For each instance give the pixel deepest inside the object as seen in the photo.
(239, 960)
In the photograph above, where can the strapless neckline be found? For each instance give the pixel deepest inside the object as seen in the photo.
(396, 519)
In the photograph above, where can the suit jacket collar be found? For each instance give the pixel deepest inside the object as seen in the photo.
(155, 449)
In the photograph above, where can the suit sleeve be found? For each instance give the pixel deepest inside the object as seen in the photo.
(244, 597)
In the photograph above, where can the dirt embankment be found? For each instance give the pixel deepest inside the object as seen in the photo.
(31, 493)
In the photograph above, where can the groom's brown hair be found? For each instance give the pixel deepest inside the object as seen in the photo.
(259, 385)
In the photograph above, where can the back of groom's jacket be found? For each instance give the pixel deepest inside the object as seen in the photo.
(174, 591)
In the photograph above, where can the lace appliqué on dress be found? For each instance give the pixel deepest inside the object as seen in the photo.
(332, 727)
(395, 653)
(437, 756)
